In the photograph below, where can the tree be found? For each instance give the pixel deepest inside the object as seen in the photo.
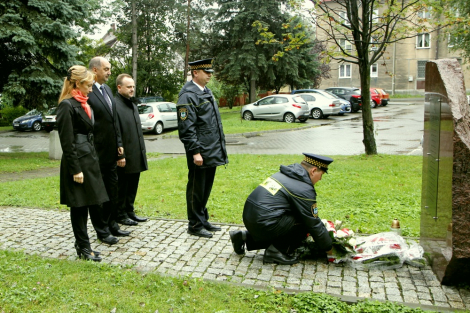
(366, 24)
(35, 50)
(299, 66)
(239, 60)
(458, 14)
(159, 67)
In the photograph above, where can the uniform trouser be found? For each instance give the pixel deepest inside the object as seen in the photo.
(287, 242)
(79, 218)
(198, 190)
(109, 211)
(127, 191)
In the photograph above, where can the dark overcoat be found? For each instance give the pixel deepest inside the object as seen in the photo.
(79, 155)
(131, 135)
(106, 127)
(282, 201)
(200, 127)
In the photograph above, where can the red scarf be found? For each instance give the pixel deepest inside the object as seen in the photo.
(80, 97)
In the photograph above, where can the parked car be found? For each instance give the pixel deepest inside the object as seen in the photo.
(375, 97)
(285, 108)
(385, 96)
(321, 106)
(158, 116)
(345, 104)
(303, 91)
(31, 120)
(151, 99)
(50, 122)
(351, 94)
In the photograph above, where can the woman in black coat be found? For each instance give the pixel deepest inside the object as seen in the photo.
(81, 184)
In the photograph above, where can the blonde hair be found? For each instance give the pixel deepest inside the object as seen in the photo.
(76, 73)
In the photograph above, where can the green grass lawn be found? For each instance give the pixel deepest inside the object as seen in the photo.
(19, 162)
(29, 283)
(234, 124)
(365, 192)
(6, 128)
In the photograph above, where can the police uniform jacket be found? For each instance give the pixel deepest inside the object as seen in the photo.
(79, 155)
(106, 128)
(281, 201)
(200, 127)
(131, 135)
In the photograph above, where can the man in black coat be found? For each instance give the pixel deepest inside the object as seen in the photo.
(108, 144)
(200, 130)
(282, 210)
(134, 147)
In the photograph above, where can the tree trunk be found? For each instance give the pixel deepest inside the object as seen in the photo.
(367, 121)
(252, 90)
(134, 43)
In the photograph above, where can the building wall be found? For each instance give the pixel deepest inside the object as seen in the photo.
(401, 58)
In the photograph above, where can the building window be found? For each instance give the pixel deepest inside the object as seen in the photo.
(375, 16)
(424, 14)
(345, 71)
(421, 69)
(374, 70)
(345, 44)
(451, 40)
(344, 18)
(423, 41)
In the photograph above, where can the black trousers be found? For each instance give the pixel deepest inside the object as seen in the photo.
(287, 242)
(79, 218)
(127, 191)
(198, 190)
(110, 209)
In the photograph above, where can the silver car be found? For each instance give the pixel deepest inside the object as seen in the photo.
(285, 108)
(157, 116)
(321, 105)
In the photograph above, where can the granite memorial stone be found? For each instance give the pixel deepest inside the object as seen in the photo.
(445, 202)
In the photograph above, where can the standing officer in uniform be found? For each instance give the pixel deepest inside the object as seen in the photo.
(200, 130)
(280, 212)
(108, 145)
(134, 147)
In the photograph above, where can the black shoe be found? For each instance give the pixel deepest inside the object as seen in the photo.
(121, 233)
(128, 222)
(96, 253)
(272, 255)
(211, 227)
(87, 254)
(136, 218)
(201, 233)
(110, 240)
(238, 240)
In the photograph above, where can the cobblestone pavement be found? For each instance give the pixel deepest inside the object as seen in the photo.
(163, 246)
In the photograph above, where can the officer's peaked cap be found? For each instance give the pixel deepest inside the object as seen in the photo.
(319, 161)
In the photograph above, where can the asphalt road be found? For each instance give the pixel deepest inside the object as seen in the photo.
(398, 130)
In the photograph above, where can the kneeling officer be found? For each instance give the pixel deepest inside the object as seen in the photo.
(280, 212)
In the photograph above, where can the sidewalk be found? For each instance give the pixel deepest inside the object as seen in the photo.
(163, 246)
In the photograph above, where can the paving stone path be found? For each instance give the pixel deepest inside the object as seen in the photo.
(163, 246)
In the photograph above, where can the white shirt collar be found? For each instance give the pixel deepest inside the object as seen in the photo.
(97, 85)
(202, 88)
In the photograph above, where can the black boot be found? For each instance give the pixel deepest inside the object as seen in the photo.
(87, 254)
(238, 238)
(272, 255)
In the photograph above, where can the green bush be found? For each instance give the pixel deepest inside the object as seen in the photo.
(8, 114)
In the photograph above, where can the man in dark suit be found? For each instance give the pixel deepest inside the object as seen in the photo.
(108, 144)
(134, 147)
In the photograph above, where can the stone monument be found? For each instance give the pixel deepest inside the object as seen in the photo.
(445, 201)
